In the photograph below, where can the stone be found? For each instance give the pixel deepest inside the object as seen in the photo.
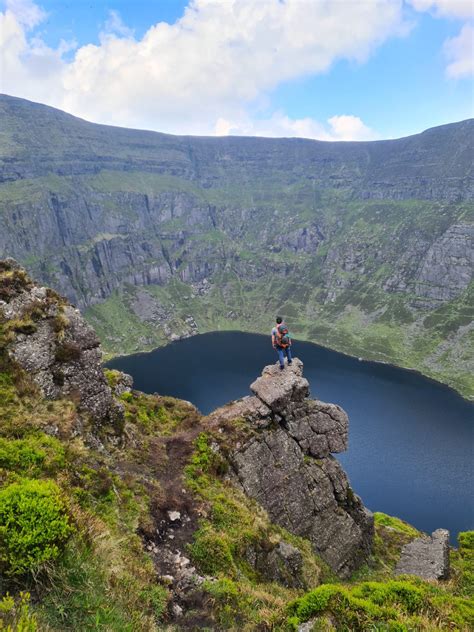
(277, 388)
(427, 557)
(282, 564)
(250, 408)
(319, 428)
(123, 384)
(174, 515)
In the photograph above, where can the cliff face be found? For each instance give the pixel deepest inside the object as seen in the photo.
(51, 341)
(288, 468)
(365, 247)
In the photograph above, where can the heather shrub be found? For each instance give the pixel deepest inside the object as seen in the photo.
(33, 525)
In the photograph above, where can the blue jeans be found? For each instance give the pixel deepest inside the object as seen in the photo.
(282, 351)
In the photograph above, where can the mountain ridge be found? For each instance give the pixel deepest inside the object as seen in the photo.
(9, 97)
(365, 247)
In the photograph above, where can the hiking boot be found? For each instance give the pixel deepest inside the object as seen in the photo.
(290, 362)
(281, 367)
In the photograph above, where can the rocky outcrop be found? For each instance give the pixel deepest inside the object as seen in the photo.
(52, 342)
(446, 269)
(281, 563)
(287, 466)
(427, 557)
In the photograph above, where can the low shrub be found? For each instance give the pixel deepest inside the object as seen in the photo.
(15, 615)
(211, 552)
(370, 605)
(22, 326)
(33, 525)
(13, 281)
(462, 563)
(32, 455)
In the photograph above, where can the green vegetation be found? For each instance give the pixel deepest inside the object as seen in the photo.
(32, 455)
(15, 615)
(398, 606)
(33, 525)
(97, 575)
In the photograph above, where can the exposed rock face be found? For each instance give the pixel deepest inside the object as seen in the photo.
(287, 467)
(283, 563)
(446, 269)
(427, 557)
(56, 346)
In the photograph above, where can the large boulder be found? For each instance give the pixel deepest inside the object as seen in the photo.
(427, 557)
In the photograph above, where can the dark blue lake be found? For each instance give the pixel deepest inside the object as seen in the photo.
(411, 440)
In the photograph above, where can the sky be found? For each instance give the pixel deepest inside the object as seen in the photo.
(325, 69)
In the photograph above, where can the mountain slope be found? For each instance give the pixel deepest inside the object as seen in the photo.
(364, 247)
(129, 512)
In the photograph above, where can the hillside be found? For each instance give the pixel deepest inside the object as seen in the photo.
(363, 247)
(129, 512)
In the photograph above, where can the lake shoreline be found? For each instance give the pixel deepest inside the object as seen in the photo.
(110, 357)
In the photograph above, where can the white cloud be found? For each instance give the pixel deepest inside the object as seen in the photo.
(211, 65)
(460, 52)
(348, 127)
(115, 26)
(343, 127)
(445, 8)
(27, 12)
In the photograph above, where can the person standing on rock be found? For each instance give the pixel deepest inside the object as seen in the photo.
(281, 341)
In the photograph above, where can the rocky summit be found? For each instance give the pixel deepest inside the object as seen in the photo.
(287, 466)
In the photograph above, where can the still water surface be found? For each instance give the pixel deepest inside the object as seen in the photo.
(411, 440)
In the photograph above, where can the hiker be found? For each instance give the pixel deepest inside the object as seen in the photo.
(281, 342)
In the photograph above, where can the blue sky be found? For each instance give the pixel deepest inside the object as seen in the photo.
(329, 69)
